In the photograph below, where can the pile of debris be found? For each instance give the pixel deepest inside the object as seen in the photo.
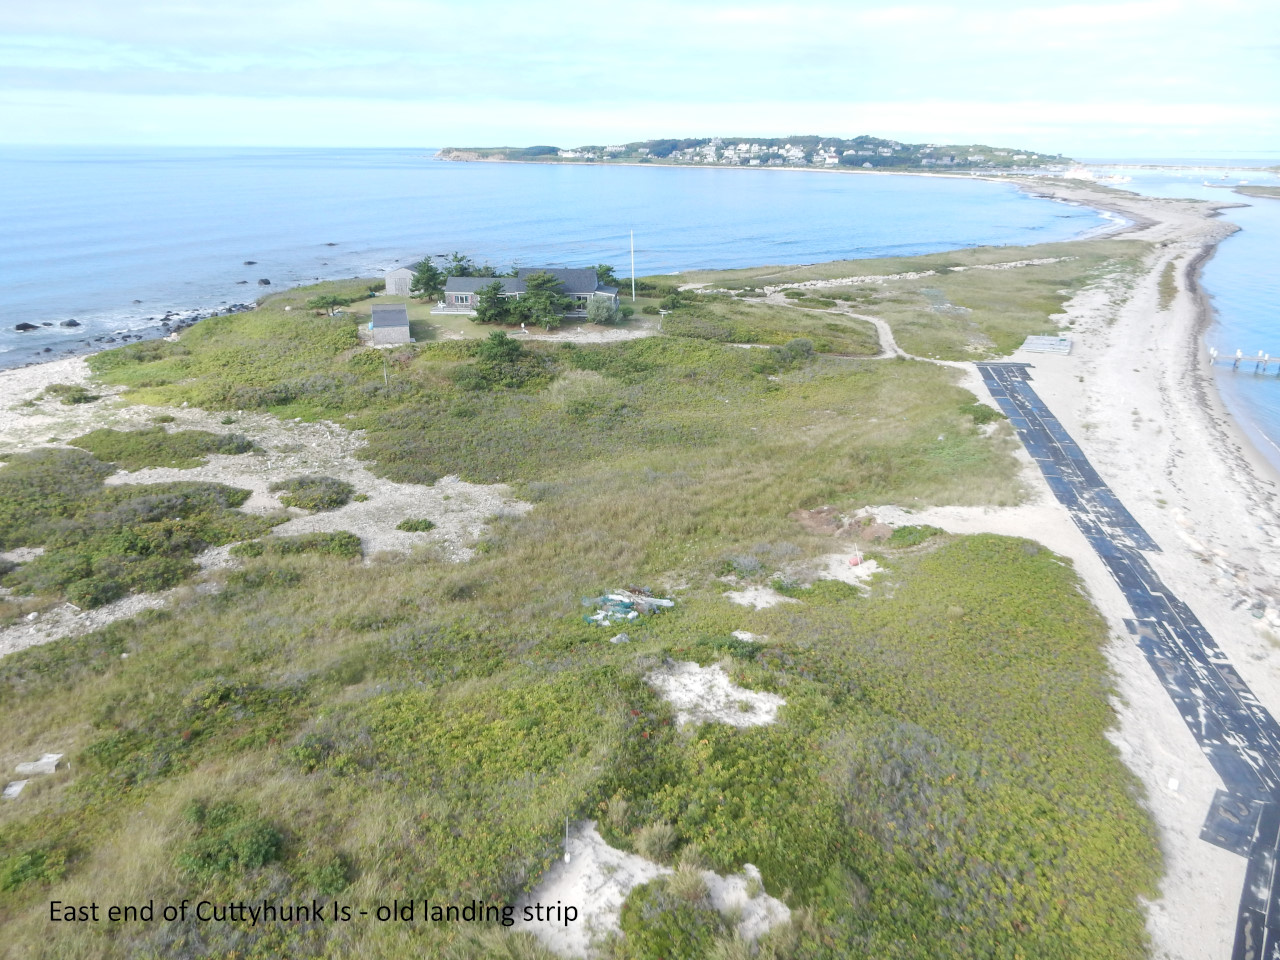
(623, 606)
(828, 520)
(48, 763)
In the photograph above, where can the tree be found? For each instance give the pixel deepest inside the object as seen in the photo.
(541, 303)
(601, 310)
(499, 348)
(428, 279)
(604, 274)
(491, 305)
(459, 265)
(328, 302)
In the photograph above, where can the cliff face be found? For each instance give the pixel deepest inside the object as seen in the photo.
(454, 153)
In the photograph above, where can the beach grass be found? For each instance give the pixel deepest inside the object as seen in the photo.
(939, 782)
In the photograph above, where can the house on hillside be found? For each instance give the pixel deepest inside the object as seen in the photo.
(389, 324)
(581, 285)
(398, 281)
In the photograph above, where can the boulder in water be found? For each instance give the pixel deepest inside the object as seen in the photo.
(250, 263)
(70, 323)
(24, 327)
(264, 282)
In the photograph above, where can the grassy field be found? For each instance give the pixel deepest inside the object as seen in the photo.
(939, 783)
(1258, 191)
(956, 314)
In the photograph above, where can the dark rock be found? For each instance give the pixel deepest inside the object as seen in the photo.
(330, 244)
(48, 349)
(70, 323)
(108, 339)
(137, 301)
(46, 324)
(24, 327)
(264, 282)
(250, 263)
(242, 281)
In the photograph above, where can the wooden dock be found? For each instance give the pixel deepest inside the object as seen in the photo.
(1258, 363)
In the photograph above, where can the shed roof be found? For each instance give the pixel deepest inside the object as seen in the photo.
(573, 280)
(389, 315)
(400, 271)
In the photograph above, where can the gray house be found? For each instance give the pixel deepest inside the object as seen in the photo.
(389, 324)
(398, 281)
(580, 284)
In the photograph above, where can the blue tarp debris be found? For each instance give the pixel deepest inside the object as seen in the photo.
(623, 606)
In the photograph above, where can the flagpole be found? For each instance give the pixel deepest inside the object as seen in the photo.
(633, 266)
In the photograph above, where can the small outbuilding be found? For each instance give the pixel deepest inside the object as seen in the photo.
(398, 281)
(389, 324)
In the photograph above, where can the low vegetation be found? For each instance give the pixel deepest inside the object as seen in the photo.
(102, 542)
(155, 447)
(313, 493)
(416, 525)
(939, 783)
(337, 544)
(957, 312)
(725, 320)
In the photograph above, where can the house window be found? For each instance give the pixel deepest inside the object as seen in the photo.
(462, 298)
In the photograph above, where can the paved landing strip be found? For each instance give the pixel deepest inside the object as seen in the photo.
(1237, 734)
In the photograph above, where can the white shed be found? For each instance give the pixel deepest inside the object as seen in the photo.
(398, 281)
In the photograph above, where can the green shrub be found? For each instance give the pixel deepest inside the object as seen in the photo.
(228, 841)
(650, 309)
(340, 543)
(409, 525)
(912, 536)
(659, 925)
(155, 447)
(981, 413)
(95, 592)
(314, 492)
(39, 865)
(70, 393)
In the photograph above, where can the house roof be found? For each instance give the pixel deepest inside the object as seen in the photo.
(398, 271)
(389, 315)
(475, 284)
(576, 280)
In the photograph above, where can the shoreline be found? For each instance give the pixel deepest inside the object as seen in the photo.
(1138, 395)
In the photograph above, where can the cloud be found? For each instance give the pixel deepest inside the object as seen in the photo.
(1063, 69)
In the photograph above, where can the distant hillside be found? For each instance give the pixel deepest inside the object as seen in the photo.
(864, 152)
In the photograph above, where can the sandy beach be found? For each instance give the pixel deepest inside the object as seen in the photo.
(1137, 395)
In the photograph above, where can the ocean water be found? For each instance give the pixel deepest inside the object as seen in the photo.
(1243, 280)
(115, 238)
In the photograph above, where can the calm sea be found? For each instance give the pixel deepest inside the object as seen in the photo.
(115, 238)
(1242, 278)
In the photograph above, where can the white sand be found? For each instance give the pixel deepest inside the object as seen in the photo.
(757, 598)
(460, 510)
(704, 694)
(597, 879)
(1136, 396)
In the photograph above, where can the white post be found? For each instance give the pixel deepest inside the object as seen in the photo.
(633, 266)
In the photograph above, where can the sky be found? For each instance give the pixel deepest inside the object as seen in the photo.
(1152, 78)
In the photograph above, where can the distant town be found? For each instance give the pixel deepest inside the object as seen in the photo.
(863, 153)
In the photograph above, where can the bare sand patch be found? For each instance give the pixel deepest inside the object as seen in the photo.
(703, 694)
(758, 598)
(597, 879)
(287, 448)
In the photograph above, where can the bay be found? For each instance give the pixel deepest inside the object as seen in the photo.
(86, 232)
